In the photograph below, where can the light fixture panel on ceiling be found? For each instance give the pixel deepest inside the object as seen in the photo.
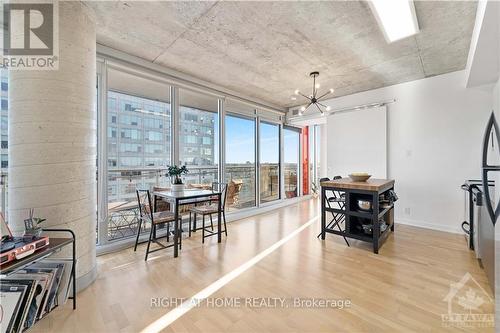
(396, 18)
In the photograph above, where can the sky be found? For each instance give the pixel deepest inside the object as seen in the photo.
(240, 142)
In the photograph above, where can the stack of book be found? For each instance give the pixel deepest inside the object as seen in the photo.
(30, 293)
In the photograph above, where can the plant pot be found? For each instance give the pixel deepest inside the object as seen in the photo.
(177, 187)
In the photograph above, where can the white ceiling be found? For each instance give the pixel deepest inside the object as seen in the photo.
(265, 50)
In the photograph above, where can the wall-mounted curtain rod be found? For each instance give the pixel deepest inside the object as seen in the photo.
(362, 107)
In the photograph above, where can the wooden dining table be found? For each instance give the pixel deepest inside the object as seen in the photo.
(185, 197)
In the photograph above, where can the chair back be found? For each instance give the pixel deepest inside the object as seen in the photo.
(144, 203)
(222, 188)
(159, 204)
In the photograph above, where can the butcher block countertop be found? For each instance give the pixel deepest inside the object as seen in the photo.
(372, 184)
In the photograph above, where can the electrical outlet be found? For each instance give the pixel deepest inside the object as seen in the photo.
(407, 211)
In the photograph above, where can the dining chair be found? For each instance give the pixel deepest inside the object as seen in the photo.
(209, 209)
(147, 215)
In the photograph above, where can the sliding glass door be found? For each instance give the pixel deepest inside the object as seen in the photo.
(240, 161)
(269, 162)
(291, 142)
(138, 146)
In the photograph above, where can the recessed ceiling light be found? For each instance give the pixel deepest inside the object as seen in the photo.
(396, 18)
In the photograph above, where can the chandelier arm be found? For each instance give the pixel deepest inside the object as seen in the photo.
(301, 94)
(321, 104)
(325, 94)
(319, 108)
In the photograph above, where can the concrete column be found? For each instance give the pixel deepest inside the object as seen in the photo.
(52, 139)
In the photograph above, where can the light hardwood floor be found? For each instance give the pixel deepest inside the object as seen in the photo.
(399, 290)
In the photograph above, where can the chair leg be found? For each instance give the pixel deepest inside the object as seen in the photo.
(149, 241)
(138, 233)
(194, 222)
(224, 219)
(211, 222)
(180, 234)
(189, 228)
(203, 229)
(168, 232)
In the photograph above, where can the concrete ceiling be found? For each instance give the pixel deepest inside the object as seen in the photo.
(265, 50)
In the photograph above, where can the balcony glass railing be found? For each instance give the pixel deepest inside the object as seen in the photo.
(241, 185)
(291, 171)
(269, 182)
(122, 219)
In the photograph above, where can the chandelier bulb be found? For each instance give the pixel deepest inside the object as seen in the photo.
(331, 90)
(303, 108)
(328, 108)
(297, 92)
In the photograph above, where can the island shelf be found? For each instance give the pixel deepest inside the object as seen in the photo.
(341, 215)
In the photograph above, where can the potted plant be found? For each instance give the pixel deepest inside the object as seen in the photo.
(175, 173)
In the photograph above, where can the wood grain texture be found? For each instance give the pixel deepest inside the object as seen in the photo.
(372, 184)
(399, 290)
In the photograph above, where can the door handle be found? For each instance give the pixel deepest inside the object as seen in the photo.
(491, 127)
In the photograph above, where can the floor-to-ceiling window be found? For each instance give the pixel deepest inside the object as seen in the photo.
(138, 146)
(291, 142)
(199, 138)
(306, 160)
(269, 161)
(314, 142)
(240, 161)
(4, 157)
(136, 122)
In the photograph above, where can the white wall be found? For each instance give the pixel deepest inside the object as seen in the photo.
(357, 142)
(435, 131)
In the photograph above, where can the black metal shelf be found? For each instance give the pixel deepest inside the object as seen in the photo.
(55, 245)
(385, 211)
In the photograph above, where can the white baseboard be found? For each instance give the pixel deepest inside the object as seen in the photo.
(422, 224)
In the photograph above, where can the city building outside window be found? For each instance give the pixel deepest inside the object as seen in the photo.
(199, 138)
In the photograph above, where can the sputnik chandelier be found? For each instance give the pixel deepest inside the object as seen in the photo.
(313, 99)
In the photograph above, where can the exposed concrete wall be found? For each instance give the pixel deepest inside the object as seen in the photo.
(52, 134)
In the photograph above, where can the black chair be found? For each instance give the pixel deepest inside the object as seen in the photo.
(210, 209)
(337, 198)
(147, 214)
